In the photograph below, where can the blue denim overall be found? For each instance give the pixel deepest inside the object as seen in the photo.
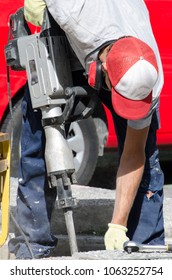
(35, 200)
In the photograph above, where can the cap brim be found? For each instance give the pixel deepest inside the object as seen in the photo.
(131, 109)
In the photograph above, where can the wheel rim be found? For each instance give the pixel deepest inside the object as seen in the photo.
(77, 144)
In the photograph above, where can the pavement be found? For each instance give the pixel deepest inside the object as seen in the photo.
(94, 211)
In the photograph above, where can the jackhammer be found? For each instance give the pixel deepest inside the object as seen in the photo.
(49, 61)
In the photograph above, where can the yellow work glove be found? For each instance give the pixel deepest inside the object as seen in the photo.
(34, 11)
(115, 237)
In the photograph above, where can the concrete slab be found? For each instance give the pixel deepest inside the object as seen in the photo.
(120, 255)
(94, 211)
(95, 206)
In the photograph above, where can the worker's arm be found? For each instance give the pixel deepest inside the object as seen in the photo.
(34, 11)
(129, 176)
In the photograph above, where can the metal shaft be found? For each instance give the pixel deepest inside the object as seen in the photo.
(131, 246)
(71, 230)
(153, 248)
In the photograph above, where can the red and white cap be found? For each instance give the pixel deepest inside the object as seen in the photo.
(133, 71)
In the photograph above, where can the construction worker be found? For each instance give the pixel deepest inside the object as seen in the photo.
(115, 36)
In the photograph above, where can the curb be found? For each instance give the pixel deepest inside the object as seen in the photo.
(94, 211)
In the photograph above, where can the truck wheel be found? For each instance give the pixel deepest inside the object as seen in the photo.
(82, 139)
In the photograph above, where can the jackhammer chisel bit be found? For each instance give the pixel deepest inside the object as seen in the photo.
(131, 246)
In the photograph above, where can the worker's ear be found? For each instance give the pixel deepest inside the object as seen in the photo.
(95, 75)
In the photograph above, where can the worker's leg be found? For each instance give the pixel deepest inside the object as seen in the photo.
(145, 222)
(35, 200)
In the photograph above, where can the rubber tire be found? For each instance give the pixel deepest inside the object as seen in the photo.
(90, 138)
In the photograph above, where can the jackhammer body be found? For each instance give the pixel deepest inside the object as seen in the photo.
(46, 58)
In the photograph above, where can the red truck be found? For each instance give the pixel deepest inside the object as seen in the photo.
(88, 137)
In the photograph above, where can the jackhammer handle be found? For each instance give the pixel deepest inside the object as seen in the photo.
(18, 24)
(77, 91)
(82, 92)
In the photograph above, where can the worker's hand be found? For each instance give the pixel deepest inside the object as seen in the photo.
(115, 237)
(34, 11)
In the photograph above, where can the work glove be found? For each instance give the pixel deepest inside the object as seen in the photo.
(34, 11)
(115, 237)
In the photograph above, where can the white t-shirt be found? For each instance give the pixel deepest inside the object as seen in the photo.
(89, 24)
